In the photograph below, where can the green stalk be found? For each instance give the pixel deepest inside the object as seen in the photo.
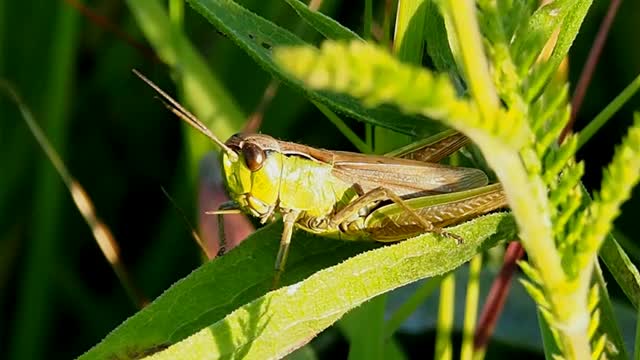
(464, 23)
(33, 311)
(471, 307)
(407, 46)
(446, 311)
(368, 19)
(607, 113)
(176, 12)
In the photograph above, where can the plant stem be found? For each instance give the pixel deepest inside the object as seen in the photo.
(462, 15)
(471, 307)
(446, 310)
(525, 190)
(606, 114)
(368, 19)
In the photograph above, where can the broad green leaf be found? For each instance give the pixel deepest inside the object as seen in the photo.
(192, 312)
(258, 36)
(325, 25)
(435, 34)
(218, 287)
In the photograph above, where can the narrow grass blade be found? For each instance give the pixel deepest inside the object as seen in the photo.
(257, 36)
(325, 25)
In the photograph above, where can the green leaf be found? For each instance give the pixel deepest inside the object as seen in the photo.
(608, 325)
(607, 113)
(572, 17)
(371, 74)
(364, 327)
(408, 42)
(435, 35)
(549, 339)
(49, 88)
(257, 36)
(618, 180)
(623, 270)
(356, 329)
(514, 14)
(531, 38)
(191, 312)
(325, 25)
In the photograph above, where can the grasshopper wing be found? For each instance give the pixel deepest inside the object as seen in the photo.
(406, 178)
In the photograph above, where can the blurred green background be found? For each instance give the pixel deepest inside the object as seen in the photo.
(58, 295)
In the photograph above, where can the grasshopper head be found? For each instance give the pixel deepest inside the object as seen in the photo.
(253, 176)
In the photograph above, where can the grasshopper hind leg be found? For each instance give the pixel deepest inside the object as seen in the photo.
(380, 194)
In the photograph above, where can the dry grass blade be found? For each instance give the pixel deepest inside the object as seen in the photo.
(101, 233)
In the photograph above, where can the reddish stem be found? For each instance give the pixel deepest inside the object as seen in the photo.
(590, 65)
(497, 296)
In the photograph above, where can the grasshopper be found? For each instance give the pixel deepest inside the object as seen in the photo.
(345, 195)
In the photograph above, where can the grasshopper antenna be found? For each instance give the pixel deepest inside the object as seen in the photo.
(186, 116)
(188, 224)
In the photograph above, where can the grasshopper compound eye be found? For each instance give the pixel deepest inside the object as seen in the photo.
(254, 156)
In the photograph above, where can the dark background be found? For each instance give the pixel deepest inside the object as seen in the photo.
(58, 296)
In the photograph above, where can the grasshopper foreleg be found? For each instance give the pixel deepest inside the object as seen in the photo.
(380, 194)
(223, 209)
(289, 219)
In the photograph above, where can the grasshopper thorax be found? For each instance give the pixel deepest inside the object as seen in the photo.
(253, 177)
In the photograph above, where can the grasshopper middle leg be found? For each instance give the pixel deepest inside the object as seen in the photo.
(289, 219)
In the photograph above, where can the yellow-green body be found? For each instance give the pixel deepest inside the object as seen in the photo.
(289, 182)
(312, 183)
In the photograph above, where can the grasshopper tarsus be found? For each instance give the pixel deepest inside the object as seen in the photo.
(458, 239)
(221, 251)
(276, 280)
